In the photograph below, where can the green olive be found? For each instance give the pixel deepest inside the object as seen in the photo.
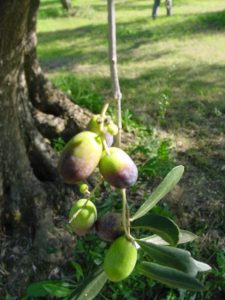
(86, 218)
(120, 259)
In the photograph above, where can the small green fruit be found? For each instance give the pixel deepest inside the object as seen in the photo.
(95, 126)
(83, 188)
(120, 259)
(118, 168)
(85, 219)
(112, 129)
(109, 226)
(80, 157)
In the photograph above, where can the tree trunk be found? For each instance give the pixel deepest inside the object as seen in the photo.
(66, 4)
(169, 4)
(155, 8)
(156, 5)
(33, 199)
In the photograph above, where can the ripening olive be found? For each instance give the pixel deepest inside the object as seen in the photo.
(118, 168)
(80, 157)
(109, 226)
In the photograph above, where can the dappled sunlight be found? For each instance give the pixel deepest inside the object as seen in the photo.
(180, 59)
(141, 41)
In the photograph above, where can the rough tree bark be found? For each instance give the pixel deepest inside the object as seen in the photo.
(32, 112)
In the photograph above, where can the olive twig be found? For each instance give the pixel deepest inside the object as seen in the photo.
(105, 146)
(103, 112)
(128, 217)
(112, 53)
(95, 188)
(125, 220)
(104, 109)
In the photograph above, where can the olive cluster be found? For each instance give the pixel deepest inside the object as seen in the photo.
(81, 156)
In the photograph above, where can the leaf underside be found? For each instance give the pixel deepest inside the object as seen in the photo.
(162, 226)
(169, 276)
(171, 257)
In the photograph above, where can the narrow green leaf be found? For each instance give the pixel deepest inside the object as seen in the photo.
(171, 277)
(79, 272)
(168, 183)
(46, 288)
(8, 297)
(154, 239)
(162, 226)
(202, 267)
(184, 237)
(171, 257)
(90, 288)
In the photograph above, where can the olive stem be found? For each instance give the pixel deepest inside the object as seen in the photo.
(95, 188)
(128, 217)
(104, 109)
(103, 112)
(112, 53)
(105, 146)
(125, 220)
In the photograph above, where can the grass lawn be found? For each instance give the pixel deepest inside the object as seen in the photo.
(181, 58)
(172, 75)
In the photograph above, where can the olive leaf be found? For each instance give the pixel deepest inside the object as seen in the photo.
(202, 267)
(91, 286)
(171, 257)
(168, 183)
(184, 237)
(57, 289)
(162, 226)
(169, 276)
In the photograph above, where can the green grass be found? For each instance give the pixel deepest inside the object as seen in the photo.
(181, 57)
(172, 78)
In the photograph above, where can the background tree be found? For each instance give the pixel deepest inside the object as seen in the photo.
(156, 5)
(31, 113)
(66, 4)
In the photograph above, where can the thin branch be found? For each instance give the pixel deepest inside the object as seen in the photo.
(125, 214)
(113, 65)
(104, 109)
(105, 146)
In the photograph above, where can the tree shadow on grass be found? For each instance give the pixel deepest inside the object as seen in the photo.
(188, 107)
(54, 10)
(175, 28)
(198, 113)
(131, 35)
(194, 96)
(124, 7)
